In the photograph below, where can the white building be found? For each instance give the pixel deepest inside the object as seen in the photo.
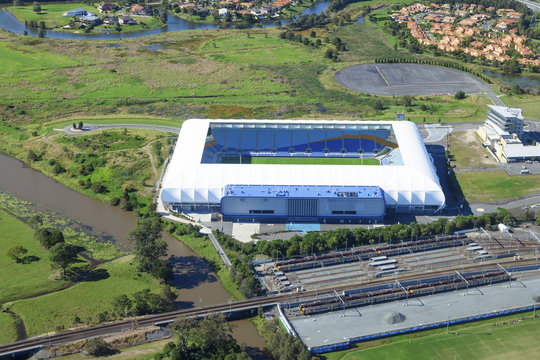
(198, 173)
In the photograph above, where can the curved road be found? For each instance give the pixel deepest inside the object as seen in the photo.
(94, 127)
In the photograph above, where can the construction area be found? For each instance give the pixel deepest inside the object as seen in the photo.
(397, 288)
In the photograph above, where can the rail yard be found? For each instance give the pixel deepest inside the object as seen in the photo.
(496, 272)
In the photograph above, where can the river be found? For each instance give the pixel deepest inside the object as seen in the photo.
(174, 23)
(198, 285)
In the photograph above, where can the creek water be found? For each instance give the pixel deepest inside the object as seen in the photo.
(521, 80)
(198, 285)
(174, 23)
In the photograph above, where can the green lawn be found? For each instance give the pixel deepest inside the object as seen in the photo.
(314, 161)
(496, 185)
(85, 299)
(8, 328)
(20, 280)
(475, 341)
(50, 13)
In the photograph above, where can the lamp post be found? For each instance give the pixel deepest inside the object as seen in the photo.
(448, 322)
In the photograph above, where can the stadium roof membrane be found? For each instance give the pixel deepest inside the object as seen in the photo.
(190, 182)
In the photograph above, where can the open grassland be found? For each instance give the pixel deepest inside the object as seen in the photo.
(314, 161)
(126, 158)
(8, 328)
(29, 277)
(528, 103)
(50, 13)
(212, 73)
(482, 340)
(17, 59)
(85, 299)
(496, 185)
(468, 153)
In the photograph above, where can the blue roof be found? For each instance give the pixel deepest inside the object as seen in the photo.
(298, 191)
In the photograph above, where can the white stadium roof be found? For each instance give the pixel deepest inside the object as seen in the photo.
(188, 181)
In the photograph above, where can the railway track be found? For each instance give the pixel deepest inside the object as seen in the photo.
(119, 326)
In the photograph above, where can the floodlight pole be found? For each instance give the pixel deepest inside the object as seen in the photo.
(509, 275)
(461, 276)
(448, 322)
(406, 292)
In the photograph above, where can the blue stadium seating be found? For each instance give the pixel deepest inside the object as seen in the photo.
(283, 142)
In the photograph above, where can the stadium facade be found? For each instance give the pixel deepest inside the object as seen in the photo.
(285, 170)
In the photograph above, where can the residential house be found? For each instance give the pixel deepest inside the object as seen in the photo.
(75, 13)
(106, 8)
(90, 19)
(139, 10)
(113, 21)
(126, 20)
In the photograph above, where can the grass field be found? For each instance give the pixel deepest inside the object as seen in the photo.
(496, 185)
(468, 153)
(314, 161)
(50, 13)
(8, 328)
(20, 280)
(472, 341)
(85, 299)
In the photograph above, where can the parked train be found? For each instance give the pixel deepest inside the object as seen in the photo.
(349, 299)
(368, 253)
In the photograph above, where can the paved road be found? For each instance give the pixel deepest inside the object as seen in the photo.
(479, 208)
(530, 4)
(94, 127)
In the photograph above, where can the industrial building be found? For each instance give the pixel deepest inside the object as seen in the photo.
(502, 133)
(290, 170)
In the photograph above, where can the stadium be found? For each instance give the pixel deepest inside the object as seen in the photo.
(292, 171)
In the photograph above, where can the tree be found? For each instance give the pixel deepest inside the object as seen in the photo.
(122, 304)
(460, 95)
(313, 34)
(63, 255)
(97, 347)
(164, 17)
(48, 237)
(32, 156)
(149, 246)
(407, 100)
(37, 7)
(81, 125)
(16, 253)
(378, 105)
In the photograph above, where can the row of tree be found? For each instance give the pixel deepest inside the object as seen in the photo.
(144, 302)
(318, 242)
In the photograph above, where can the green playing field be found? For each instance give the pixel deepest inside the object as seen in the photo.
(312, 160)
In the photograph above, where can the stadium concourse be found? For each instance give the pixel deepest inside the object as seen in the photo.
(301, 171)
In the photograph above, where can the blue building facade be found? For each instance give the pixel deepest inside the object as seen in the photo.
(295, 203)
